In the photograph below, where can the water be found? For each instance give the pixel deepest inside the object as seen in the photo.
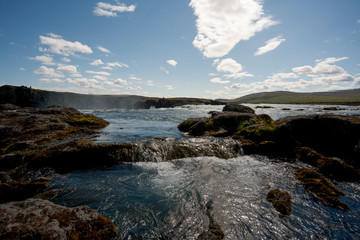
(175, 199)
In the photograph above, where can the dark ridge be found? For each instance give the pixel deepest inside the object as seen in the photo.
(345, 97)
(29, 97)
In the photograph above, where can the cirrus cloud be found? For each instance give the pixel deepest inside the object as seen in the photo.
(109, 10)
(219, 80)
(270, 45)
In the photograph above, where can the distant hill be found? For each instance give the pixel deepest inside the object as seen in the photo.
(28, 97)
(345, 97)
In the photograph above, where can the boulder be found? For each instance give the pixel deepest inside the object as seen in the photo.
(41, 219)
(331, 135)
(238, 108)
(281, 201)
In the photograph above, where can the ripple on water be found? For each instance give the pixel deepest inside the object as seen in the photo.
(170, 199)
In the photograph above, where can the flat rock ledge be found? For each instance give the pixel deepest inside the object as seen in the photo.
(41, 219)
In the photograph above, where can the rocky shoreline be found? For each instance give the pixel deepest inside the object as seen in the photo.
(329, 143)
(38, 143)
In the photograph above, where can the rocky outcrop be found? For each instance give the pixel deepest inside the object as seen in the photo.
(281, 201)
(31, 128)
(41, 219)
(320, 188)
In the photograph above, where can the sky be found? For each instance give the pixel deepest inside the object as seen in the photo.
(177, 48)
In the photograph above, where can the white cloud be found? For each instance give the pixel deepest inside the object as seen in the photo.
(102, 49)
(150, 83)
(66, 60)
(99, 77)
(280, 76)
(67, 69)
(164, 70)
(117, 64)
(322, 67)
(109, 10)
(22, 69)
(222, 24)
(51, 80)
(99, 73)
(238, 75)
(133, 77)
(97, 62)
(63, 47)
(229, 65)
(121, 82)
(219, 80)
(85, 82)
(172, 62)
(106, 68)
(45, 59)
(358, 21)
(169, 87)
(47, 72)
(270, 45)
(213, 74)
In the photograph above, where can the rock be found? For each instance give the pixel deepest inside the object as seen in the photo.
(41, 219)
(320, 188)
(264, 106)
(231, 121)
(286, 109)
(330, 167)
(194, 126)
(281, 201)
(331, 135)
(238, 108)
(17, 191)
(30, 128)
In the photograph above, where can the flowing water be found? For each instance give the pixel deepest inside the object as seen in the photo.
(178, 199)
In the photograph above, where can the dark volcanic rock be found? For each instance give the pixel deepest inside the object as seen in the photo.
(332, 135)
(230, 121)
(238, 108)
(321, 188)
(280, 200)
(41, 219)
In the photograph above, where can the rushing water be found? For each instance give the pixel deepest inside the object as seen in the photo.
(176, 199)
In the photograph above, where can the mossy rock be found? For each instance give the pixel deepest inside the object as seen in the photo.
(321, 188)
(281, 201)
(330, 167)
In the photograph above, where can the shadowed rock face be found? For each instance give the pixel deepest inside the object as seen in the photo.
(41, 219)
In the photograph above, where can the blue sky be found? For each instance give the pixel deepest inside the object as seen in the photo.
(194, 48)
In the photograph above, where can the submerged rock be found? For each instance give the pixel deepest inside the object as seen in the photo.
(281, 201)
(41, 219)
(321, 188)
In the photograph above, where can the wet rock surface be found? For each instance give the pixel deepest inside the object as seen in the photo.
(41, 219)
